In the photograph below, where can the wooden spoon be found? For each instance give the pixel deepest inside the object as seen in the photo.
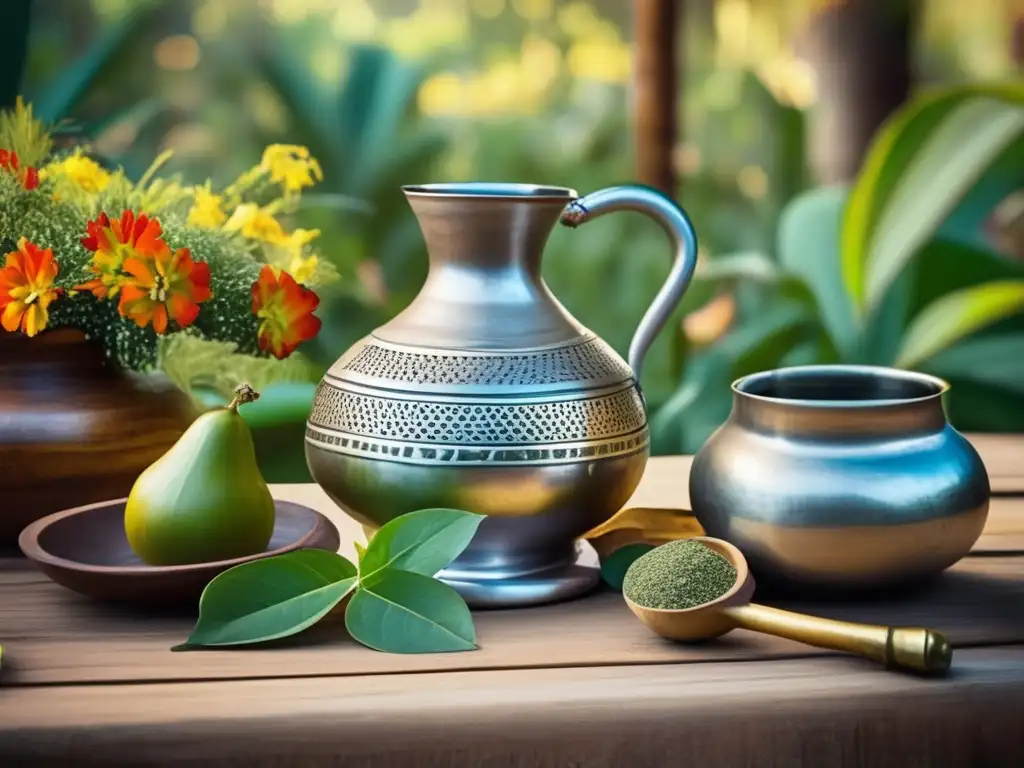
(923, 650)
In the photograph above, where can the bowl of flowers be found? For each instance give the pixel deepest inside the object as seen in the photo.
(110, 288)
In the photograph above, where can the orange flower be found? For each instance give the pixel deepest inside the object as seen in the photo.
(26, 288)
(28, 176)
(285, 310)
(169, 284)
(113, 243)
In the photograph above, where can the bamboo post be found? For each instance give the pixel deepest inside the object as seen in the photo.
(655, 91)
(861, 52)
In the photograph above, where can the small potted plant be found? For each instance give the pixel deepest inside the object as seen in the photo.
(112, 290)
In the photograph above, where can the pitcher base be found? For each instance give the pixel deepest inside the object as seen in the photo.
(557, 584)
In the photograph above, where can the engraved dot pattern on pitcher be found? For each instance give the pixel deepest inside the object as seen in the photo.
(588, 361)
(454, 423)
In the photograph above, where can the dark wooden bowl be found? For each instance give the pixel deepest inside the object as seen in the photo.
(85, 549)
(75, 429)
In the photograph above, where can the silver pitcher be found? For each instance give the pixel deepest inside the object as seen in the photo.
(484, 394)
(840, 477)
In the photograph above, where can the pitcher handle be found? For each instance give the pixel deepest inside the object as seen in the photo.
(677, 226)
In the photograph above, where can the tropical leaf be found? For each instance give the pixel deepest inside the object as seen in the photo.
(946, 265)
(946, 167)
(957, 315)
(666, 421)
(996, 361)
(808, 247)
(968, 222)
(919, 167)
(882, 333)
(976, 407)
(60, 98)
(704, 397)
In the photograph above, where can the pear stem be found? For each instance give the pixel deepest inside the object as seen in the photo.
(243, 394)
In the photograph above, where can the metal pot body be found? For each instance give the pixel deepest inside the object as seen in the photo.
(841, 478)
(484, 394)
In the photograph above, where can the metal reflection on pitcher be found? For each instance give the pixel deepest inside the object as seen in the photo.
(484, 394)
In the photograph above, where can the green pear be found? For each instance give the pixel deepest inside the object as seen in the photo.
(205, 499)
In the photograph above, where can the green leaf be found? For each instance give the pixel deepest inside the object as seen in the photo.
(976, 407)
(808, 247)
(360, 550)
(946, 265)
(921, 163)
(802, 353)
(272, 598)
(946, 166)
(615, 565)
(957, 315)
(422, 542)
(703, 399)
(997, 361)
(58, 101)
(967, 223)
(665, 422)
(404, 612)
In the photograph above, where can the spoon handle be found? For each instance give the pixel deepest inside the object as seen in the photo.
(924, 650)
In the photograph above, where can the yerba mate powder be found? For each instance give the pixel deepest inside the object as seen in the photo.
(680, 574)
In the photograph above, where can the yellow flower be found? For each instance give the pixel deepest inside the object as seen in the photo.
(299, 239)
(301, 267)
(256, 224)
(206, 211)
(81, 170)
(292, 166)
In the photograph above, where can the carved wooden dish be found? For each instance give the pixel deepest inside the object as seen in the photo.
(85, 549)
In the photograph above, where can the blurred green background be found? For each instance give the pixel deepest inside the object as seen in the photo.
(770, 99)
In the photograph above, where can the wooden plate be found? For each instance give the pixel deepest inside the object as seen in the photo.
(85, 549)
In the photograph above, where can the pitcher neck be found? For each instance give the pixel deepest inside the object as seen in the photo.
(484, 290)
(489, 227)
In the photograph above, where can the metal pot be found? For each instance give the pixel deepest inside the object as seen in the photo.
(484, 394)
(841, 477)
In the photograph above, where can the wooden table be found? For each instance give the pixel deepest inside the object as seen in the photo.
(580, 684)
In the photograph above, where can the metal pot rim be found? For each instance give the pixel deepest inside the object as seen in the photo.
(930, 387)
(487, 189)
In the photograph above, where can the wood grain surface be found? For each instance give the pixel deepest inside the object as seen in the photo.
(581, 684)
(54, 636)
(809, 712)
